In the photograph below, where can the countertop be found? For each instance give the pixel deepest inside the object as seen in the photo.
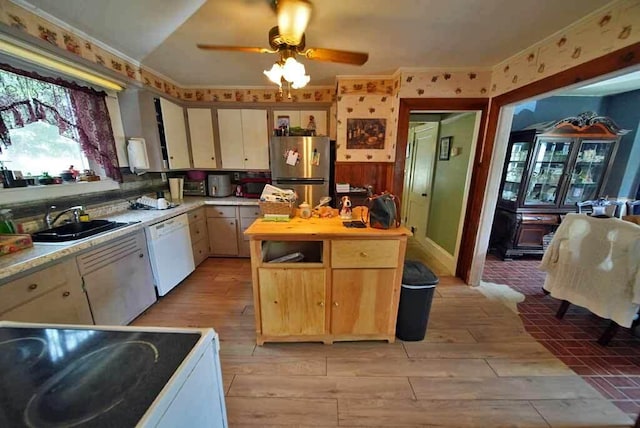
(319, 228)
(40, 254)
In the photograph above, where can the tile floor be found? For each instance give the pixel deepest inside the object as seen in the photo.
(613, 370)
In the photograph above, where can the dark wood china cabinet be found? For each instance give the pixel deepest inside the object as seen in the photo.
(549, 167)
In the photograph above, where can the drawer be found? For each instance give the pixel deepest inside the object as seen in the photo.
(198, 230)
(30, 286)
(221, 211)
(365, 253)
(200, 251)
(197, 214)
(250, 212)
(540, 218)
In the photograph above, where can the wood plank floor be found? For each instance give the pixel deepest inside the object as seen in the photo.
(477, 366)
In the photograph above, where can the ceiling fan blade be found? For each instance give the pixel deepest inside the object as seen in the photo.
(334, 55)
(234, 48)
(293, 17)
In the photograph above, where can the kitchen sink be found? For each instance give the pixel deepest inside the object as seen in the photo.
(75, 231)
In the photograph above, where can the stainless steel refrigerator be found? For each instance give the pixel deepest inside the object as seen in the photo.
(302, 164)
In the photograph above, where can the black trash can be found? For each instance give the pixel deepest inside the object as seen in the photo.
(416, 295)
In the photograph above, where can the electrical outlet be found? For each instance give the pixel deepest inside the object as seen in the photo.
(163, 176)
(236, 176)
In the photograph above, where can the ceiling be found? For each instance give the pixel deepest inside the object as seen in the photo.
(162, 34)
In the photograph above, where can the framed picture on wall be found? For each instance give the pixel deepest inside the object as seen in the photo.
(445, 148)
(366, 133)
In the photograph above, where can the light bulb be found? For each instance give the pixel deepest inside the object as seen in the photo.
(275, 74)
(292, 70)
(301, 82)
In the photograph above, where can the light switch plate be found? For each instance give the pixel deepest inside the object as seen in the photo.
(163, 176)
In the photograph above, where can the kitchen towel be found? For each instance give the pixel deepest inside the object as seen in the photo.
(175, 187)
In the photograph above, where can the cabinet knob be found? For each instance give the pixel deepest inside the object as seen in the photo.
(66, 294)
(275, 301)
(363, 254)
(321, 304)
(335, 304)
(141, 255)
(424, 194)
(213, 158)
(246, 159)
(33, 287)
(170, 157)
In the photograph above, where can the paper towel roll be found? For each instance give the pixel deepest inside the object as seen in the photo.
(175, 187)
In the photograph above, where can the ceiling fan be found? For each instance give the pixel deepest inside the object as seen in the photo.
(288, 40)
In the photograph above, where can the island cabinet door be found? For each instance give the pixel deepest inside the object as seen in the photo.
(292, 301)
(361, 301)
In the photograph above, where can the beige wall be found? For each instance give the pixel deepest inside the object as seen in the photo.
(447, 194)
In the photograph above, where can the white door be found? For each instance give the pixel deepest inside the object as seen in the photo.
(419, 193)
(231, 139)
(202, 141)
(175, 133)
(255, 133)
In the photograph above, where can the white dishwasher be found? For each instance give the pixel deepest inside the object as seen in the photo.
(170, 252)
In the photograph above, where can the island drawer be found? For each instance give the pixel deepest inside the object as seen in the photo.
(365, 253)
(221, 211)
(30, 286)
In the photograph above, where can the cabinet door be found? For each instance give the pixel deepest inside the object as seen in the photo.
(121, 290)
(361, 301)
(256, 139)
(231, 146)
(202, 141)
(589, 171)
(175, 133)
(292, 301)
(547, 170)
(64, 305)
(223, 236)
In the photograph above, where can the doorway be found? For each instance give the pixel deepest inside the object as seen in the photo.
(438, 163)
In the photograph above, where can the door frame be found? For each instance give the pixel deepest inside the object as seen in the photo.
(494, 112)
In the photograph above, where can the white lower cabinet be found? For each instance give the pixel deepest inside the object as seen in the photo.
(50, 295)
(118, 280)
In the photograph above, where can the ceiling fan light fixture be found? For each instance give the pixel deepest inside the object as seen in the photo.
(301, 82)
(293, 17)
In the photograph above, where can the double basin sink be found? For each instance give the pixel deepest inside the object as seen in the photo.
(75, 231)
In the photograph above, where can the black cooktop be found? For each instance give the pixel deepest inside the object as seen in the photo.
(80, 378)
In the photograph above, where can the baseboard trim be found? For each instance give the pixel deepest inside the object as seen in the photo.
(440, 254)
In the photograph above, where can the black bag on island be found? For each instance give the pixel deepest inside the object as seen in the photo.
(383, 211)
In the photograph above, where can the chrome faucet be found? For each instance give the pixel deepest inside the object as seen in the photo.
(76, 215)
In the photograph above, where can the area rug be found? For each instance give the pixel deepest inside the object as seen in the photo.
(502, 293)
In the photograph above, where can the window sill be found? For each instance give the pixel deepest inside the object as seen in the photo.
(34, 193)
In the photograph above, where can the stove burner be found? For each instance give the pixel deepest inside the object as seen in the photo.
(91, 385)
(24, 351)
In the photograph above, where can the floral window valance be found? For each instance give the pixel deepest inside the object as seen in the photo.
(80, 113)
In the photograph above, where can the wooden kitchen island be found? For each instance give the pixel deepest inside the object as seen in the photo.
(347, 287)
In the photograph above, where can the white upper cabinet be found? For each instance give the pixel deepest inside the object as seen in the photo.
(202, 139)
(244, 138)
(175, 133)
(301, 118)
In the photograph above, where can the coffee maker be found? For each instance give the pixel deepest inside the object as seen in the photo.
(219, 185)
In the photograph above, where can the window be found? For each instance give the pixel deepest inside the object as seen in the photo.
(49, 125)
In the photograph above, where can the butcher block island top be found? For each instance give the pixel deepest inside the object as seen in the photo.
(315, 280)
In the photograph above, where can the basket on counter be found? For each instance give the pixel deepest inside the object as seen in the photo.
(268, 207)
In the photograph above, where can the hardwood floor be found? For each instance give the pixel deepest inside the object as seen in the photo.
(477, 366)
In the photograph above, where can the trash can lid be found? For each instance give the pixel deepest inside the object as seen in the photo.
(415, 273)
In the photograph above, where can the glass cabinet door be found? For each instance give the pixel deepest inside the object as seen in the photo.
(588, 171)
(515, 167)
(548, 165)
